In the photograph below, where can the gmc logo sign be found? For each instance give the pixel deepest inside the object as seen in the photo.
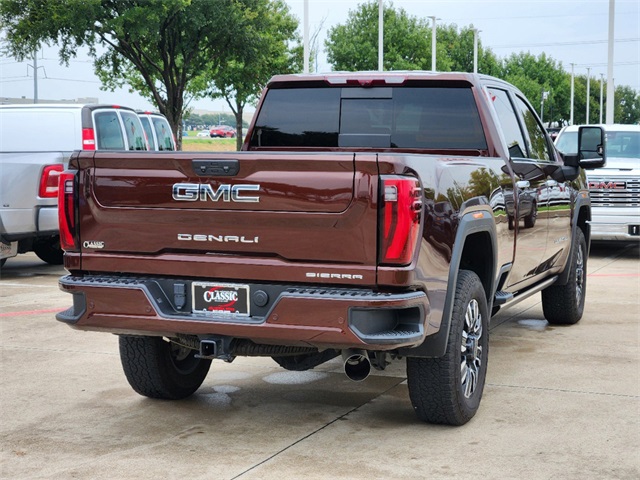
(607, 185)
(192, 192)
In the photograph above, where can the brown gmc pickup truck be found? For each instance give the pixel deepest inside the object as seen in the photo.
(377, 216)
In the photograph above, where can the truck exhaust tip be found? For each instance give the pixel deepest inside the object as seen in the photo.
(356, 364)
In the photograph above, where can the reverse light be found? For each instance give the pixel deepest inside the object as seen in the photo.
(67, 211)
(49, 181)
(401, 200)
(88, 139)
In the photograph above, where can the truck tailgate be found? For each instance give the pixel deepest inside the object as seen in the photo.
(231, 215)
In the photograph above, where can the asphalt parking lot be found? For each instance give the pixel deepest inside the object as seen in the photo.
(560, 402)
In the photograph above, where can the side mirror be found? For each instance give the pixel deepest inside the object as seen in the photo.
(591, 151)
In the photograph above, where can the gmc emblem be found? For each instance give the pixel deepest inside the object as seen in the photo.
(607, 185)
(192, 192)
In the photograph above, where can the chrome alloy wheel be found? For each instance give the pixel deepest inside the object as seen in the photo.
(471, 349)
(579, 275)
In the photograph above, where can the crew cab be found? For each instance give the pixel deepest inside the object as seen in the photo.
(368, 217)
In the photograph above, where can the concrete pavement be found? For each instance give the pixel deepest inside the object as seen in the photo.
(560, 402)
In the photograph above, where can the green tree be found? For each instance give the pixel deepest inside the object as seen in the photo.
(242, 77)
(458, 52)
(407, 43)
(155, 47)
(535, 75)
(354, 45)
(627, 106)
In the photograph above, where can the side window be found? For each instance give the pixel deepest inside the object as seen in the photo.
(165, 139)
(509, 123)
(537, 139)
(108, 131)
(146, 125)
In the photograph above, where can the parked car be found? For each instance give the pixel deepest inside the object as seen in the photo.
(615, 188)
(29, 169)
(203, 133)
(327, 236)
(158, 131)
(222, 131)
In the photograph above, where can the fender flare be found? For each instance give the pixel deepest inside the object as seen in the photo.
(582, 201)
(435, 345)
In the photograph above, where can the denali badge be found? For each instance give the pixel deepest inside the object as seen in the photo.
(191, 192)
(216, 238)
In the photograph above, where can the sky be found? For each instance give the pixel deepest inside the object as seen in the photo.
(569, 31)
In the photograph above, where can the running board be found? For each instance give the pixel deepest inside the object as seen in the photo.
(506, 298)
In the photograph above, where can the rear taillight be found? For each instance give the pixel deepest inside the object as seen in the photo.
(401, 207)
(49, 181)
(67, 211)
(88, 139)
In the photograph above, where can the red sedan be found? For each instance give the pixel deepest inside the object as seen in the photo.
(222, 131)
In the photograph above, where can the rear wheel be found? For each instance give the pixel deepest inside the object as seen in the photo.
(564, 304)
(157, 368)
(48, 250)
(448, 389)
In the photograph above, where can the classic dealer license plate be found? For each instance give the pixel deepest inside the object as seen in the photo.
(215, 298)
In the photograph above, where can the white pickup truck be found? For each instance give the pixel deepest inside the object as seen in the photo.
(615, 188)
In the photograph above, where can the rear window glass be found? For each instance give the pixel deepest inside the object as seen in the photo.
(133, 128)
(299, 117)
(165, 139)
(146, 125)
(407, 117)
(108, 131)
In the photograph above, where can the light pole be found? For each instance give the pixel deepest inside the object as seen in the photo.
(475, 49)
(306, 36)
(572, 83)
(380, 35)
(545, 95)
(601, 88)
(433, 42)
(35, 68)
(610, 86)
(588, 94)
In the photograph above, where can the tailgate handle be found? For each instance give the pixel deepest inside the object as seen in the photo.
(216, 168)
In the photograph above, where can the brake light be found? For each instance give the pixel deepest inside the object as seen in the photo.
(49, 181)
(401, 201)
(67, 211)
(88, 139)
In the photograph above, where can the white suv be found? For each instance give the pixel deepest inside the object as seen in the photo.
(30, 166)
(158, 131)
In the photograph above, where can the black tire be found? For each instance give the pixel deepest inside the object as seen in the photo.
(564, 304)
(530, 220)
(49, 251)
(439, 390)
(157, 368)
